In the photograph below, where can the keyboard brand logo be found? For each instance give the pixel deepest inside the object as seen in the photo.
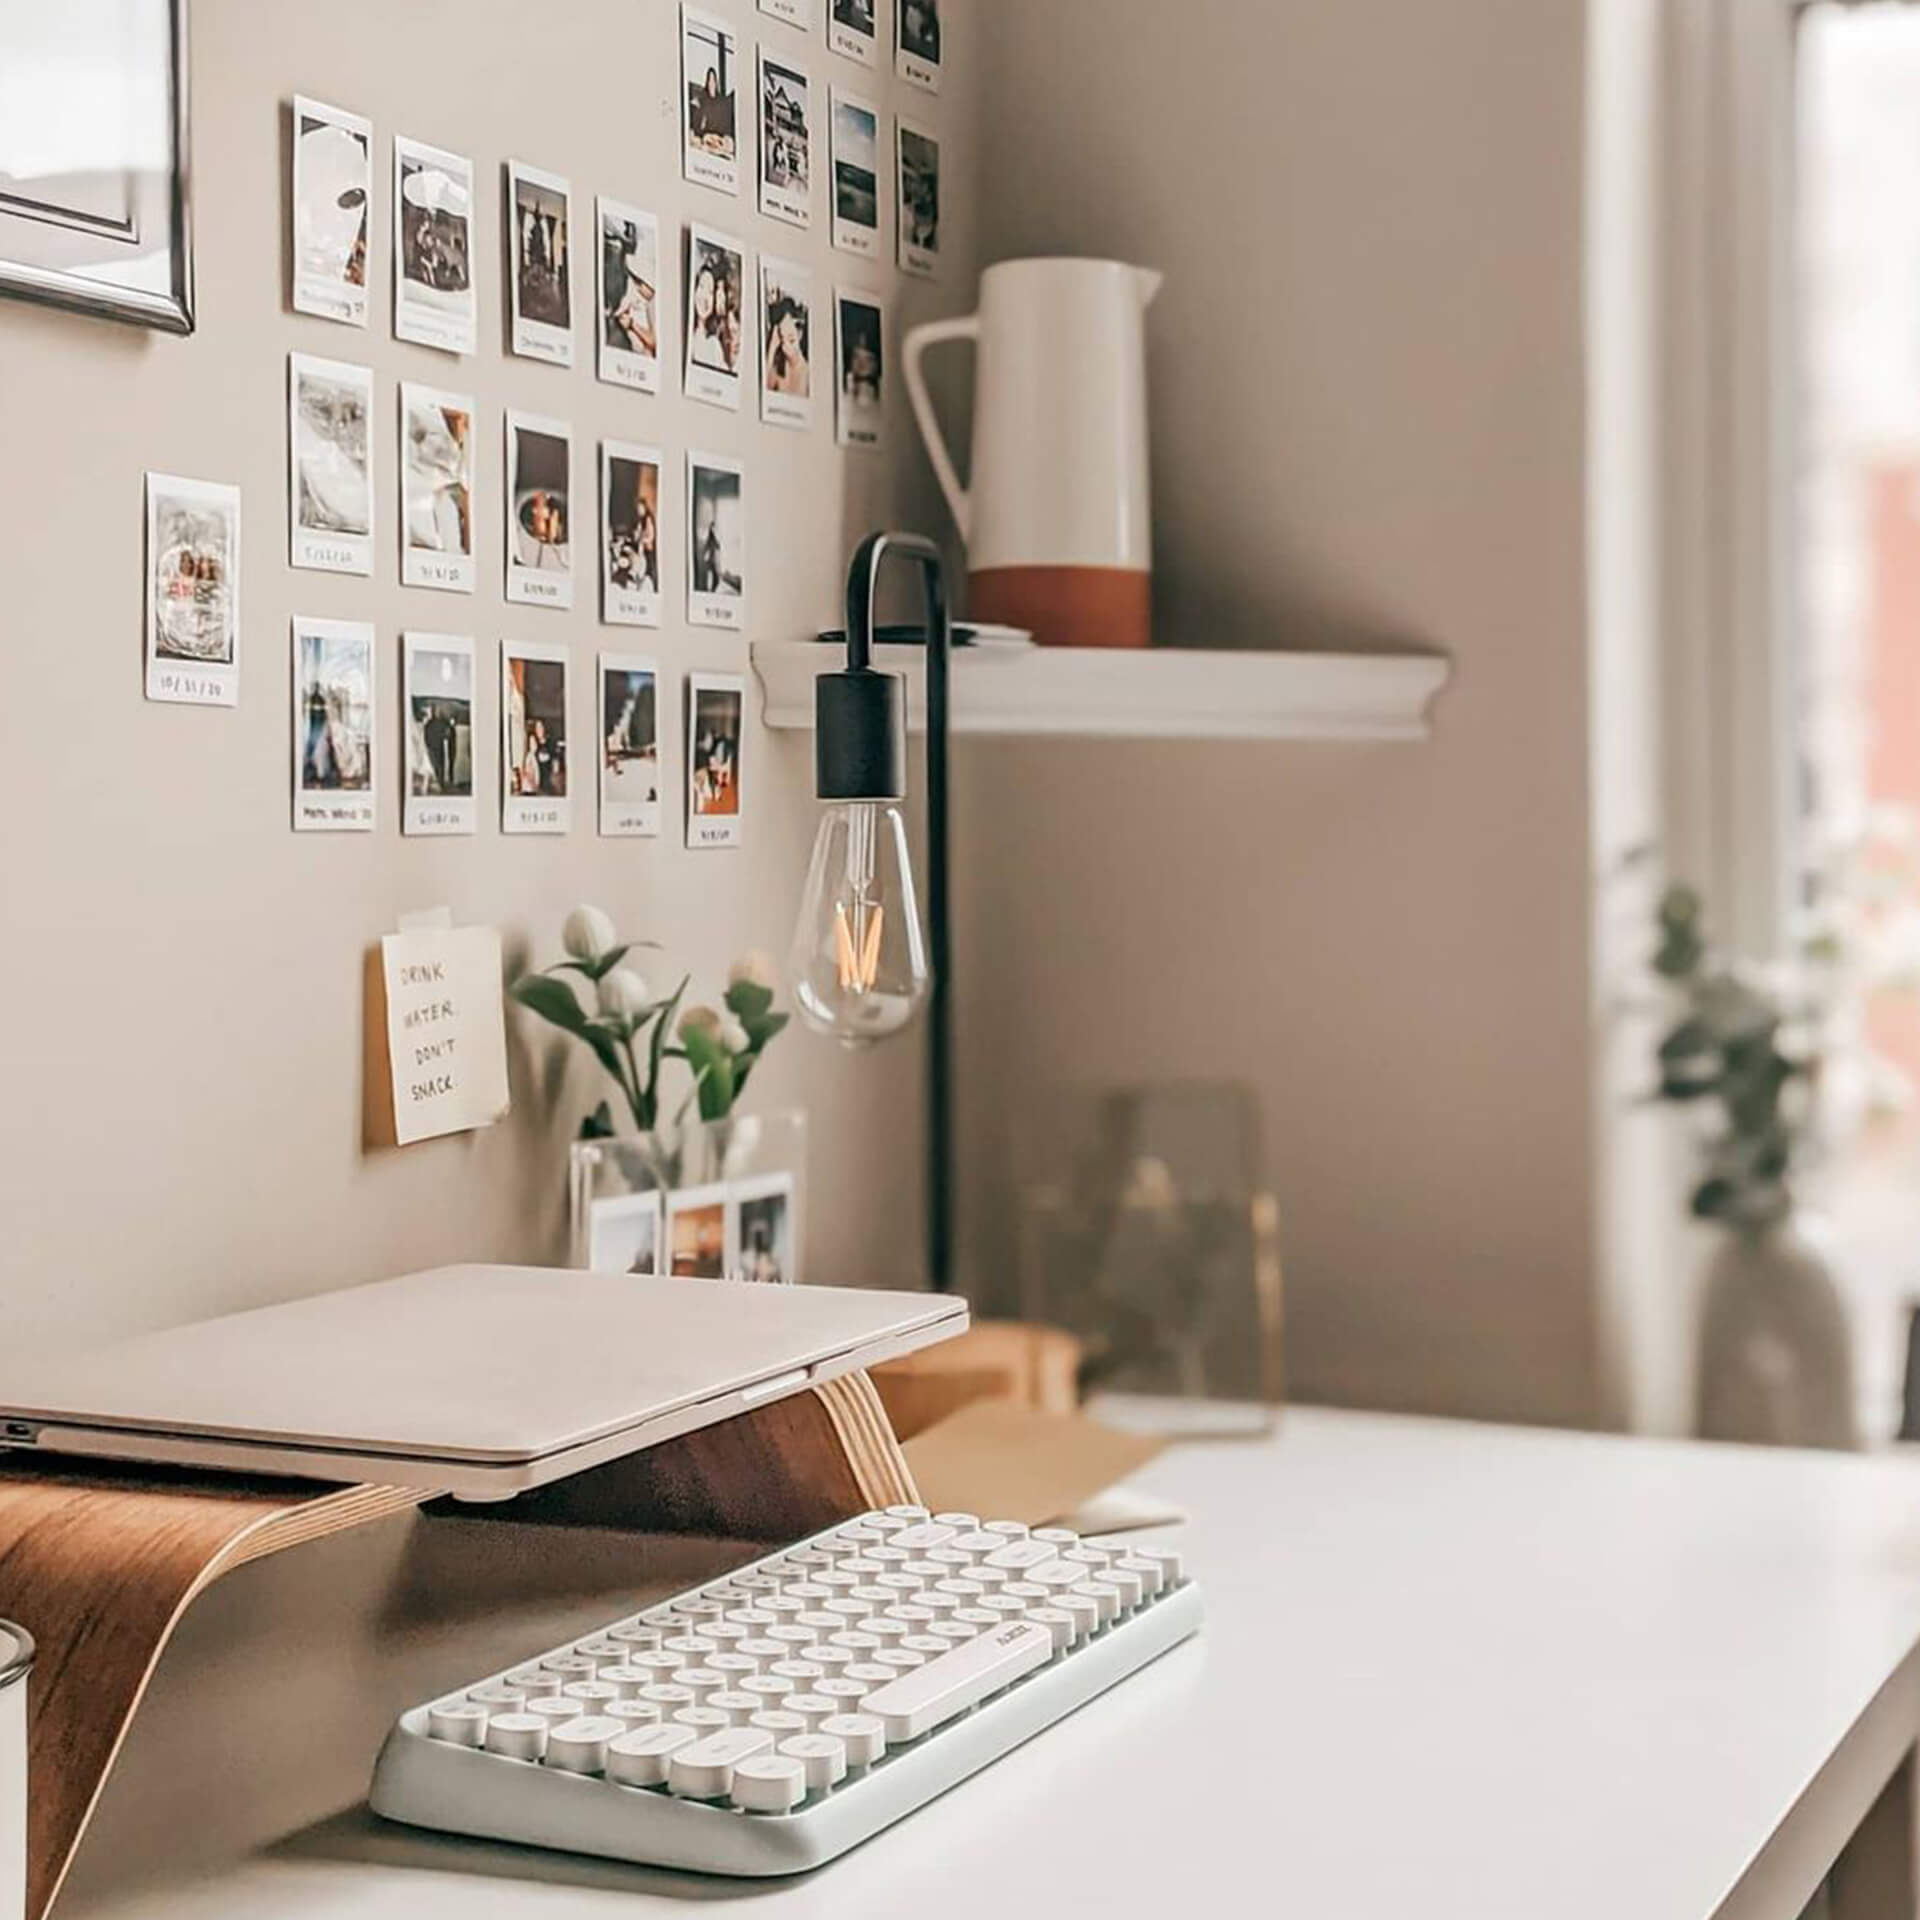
(1011, 1636)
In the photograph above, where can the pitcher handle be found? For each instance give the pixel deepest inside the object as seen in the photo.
(919, 339)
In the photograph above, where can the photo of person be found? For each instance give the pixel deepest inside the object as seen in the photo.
(919, 228)
(860, 327)
(630, 746)
(332, 202)
(709, 58)
(533, 739)
(436, 489)
(540, 214)
(193, 591)
(918, 54)
(697, 1233)
(716, 704)
(856, 175)
(716, 541)
(330, 432)
(332, 726)
(623, 1234)
(433, 299)
(716, 337)
(629, 297)
(436, 704)
(540, 521)
(786, 343)
(786, 142)
(630, 534)
(763, 1231)
(853, 30)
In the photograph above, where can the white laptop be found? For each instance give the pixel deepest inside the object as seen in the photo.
(480, 1381)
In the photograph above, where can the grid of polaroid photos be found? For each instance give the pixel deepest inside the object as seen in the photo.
(778, 132)
(730, 1230)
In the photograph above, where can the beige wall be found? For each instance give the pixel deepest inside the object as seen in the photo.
(181, 974)
(1368, 416)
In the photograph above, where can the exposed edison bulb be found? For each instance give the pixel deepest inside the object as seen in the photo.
(859, 960)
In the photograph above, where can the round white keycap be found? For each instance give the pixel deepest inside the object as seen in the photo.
(857, 1640)
(778, 1722)
(553, 1708)
(1132, 1587)
(863, 1735)
(704, 1608)
(952, 1632)
(824, 1758)
(808, 1558)
(580, 1746)
(731, 1663)
(636, 1633)
(906, 1582)
(701, 1719)
(784, 1605)
(758, 1618)
(959, 1522)
(1168, 1563)
(978, 1618)
(664, 1617)
(870, 1673)
(517, 1736)
(964, 1591)
(667, 1696)
(594, 1696)
(813, 1708)
(727, 1632)
(701, 1681)
(798, 1671)
(768, 1688)
(640, 1759)
(1007, 1529)
(532, 1681)
(1004, 1605)
(838, 1580)
(791, 1636)
(459, 1723)
(847, 1693)
(1087, 1556)
(1057, 1536)
(888, 1557)
(808, 1589)
(659, 1663)
(755, 1583)
(769, 1783)
(704, 1771)
(696, 1647)
(1022, 1590)
(928, 1646)
(816, 1621)
(1105, 1597)
(762, 1651)
(898, 1658)
(563, 1668)
(1057, 1575)
(888, 1632)
(625, 1679)
(1058, 1622)
(635, 1713)
(602, 1650)
(499, 1694)
(975, 1546)
(738, 1707)
(829, 1659)
(856, 1533)
(1085, 1612)
(845, 1608)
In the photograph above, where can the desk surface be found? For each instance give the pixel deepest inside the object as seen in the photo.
(1449, 1670)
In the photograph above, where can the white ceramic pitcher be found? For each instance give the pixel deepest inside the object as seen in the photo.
(16, 1662)
(1057, 520)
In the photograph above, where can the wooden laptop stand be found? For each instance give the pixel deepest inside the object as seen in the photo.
(100, 1564)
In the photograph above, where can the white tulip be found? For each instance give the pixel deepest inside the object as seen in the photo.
(699, 1020)
(588, 933)
(754, 969)
(733, 1036)
(623, 994)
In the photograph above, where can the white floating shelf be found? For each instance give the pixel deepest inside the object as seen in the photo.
(1168, 693)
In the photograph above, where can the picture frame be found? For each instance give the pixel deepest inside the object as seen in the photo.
(102, 239)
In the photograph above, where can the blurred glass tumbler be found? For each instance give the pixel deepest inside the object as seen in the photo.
(16, 1662)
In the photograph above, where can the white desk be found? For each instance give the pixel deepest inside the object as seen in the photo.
(1450, 1671)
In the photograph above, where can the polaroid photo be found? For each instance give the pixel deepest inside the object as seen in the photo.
(630, 479)
(761, 1231)
(697, 1246)
(433, 296)
(796, 13)
(710, 81)
(716, 714)
(917, 45)
(629, 289)
(193, 591)
(918, 154)
(332, 211)
(623, 1234)
(540, 263)
(333, 708)
(786, 141)
(855, 166)
(853, 29)
(534, 791)
(859, 331)
(786, 343)
(716, 541)
(629, 747)
(716, 316)
(437, 718)
(436, 489)
(539, 511)
(330, 464)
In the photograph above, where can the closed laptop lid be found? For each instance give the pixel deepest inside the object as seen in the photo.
(496, 1364)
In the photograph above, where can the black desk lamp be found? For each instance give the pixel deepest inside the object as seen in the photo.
(860, 967)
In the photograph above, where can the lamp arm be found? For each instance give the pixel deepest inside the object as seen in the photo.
(863, 577)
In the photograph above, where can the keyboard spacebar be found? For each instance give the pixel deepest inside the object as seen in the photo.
(919, 1701)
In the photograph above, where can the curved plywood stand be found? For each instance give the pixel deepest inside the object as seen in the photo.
(99, 1564)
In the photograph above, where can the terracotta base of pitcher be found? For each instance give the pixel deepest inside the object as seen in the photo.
(1066, 606)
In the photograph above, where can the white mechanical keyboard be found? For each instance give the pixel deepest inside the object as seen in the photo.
(766, 1722)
